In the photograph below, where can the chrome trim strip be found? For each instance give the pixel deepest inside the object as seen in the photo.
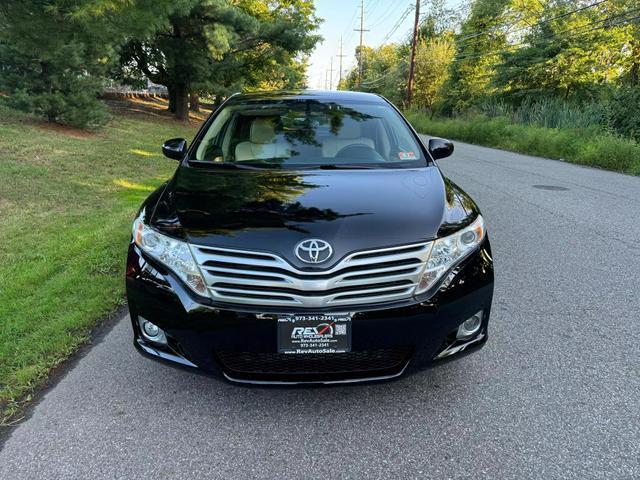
(317, 382)
(459, 348)
(278, 262)
(368, 295)
(165, 355)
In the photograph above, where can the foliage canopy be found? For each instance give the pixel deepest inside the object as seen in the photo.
(554, 59)
(56, 54)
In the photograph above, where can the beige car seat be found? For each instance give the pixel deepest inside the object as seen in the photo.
(350, 134)
(263, 143)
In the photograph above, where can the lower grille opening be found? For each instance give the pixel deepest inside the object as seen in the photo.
(314, 367)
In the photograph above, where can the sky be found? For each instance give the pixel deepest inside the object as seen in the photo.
(341, 17)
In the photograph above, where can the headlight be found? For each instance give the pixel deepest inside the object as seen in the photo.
(448, 251)
(173, 253)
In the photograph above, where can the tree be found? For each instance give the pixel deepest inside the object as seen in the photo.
(482, 36)
(433, 60)
(384, 71)
(627, 9)
(439, 20)
(219, 46)
(566, 53)
(50, 63)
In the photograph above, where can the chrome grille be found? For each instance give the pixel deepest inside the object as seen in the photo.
(261, 278)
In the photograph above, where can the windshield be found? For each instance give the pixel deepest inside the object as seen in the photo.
(308, 133)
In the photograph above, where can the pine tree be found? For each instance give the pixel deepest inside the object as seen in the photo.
(219, 46)
(50, 64)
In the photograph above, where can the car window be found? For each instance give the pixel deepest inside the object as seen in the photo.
(308, 133)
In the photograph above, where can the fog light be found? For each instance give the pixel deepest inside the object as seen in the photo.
(470, 326)
(151, 331)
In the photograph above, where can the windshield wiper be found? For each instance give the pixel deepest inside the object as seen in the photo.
(344, 166)
(264, 166)
(229, 165)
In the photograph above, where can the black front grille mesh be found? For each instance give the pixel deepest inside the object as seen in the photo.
(351, 364)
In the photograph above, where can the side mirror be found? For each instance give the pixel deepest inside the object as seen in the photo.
(176, 148)
(440, 148)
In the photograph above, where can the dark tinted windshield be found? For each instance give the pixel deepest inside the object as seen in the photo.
(309, 133)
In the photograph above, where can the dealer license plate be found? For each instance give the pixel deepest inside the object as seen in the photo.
(328, 333)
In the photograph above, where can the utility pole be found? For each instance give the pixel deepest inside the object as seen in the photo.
(414, 44)
(340, 71)
(361, 30)
(331, 70)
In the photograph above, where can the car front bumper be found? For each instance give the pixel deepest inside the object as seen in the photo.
(240, 342)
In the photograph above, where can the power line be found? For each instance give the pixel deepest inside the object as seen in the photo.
(397, 25)
(508, 26)
(385, 16)
(562, 15)
(619, 22)
(577, 32)
(349, 30)
(558, 35)
(372, 7)
(377, 81)
(541, 60)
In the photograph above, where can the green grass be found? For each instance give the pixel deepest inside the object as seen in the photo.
(67, 199)
(585, 146)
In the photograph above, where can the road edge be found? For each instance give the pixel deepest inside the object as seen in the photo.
(597, 168)
(96, 336)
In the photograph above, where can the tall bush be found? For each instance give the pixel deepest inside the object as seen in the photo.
(51, 64)
(624, 112)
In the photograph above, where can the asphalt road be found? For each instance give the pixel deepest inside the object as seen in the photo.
(554, 394)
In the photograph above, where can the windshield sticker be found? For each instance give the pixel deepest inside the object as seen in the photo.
(407, 155)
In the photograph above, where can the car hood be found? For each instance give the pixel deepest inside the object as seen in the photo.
(274, 210)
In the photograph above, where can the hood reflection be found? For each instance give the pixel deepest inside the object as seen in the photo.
(274, 210)
(225, 203)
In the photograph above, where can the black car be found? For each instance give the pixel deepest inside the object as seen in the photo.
(308, 237)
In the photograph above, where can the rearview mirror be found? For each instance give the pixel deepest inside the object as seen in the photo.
(440, 148)
(176, 148)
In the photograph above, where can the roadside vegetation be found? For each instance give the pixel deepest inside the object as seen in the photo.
(556, 78)
(586, 146)
(66, 204)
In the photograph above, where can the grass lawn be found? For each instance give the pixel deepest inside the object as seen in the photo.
(590, 147)
(67, 199)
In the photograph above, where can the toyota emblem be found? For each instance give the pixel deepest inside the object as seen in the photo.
(313, 251)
